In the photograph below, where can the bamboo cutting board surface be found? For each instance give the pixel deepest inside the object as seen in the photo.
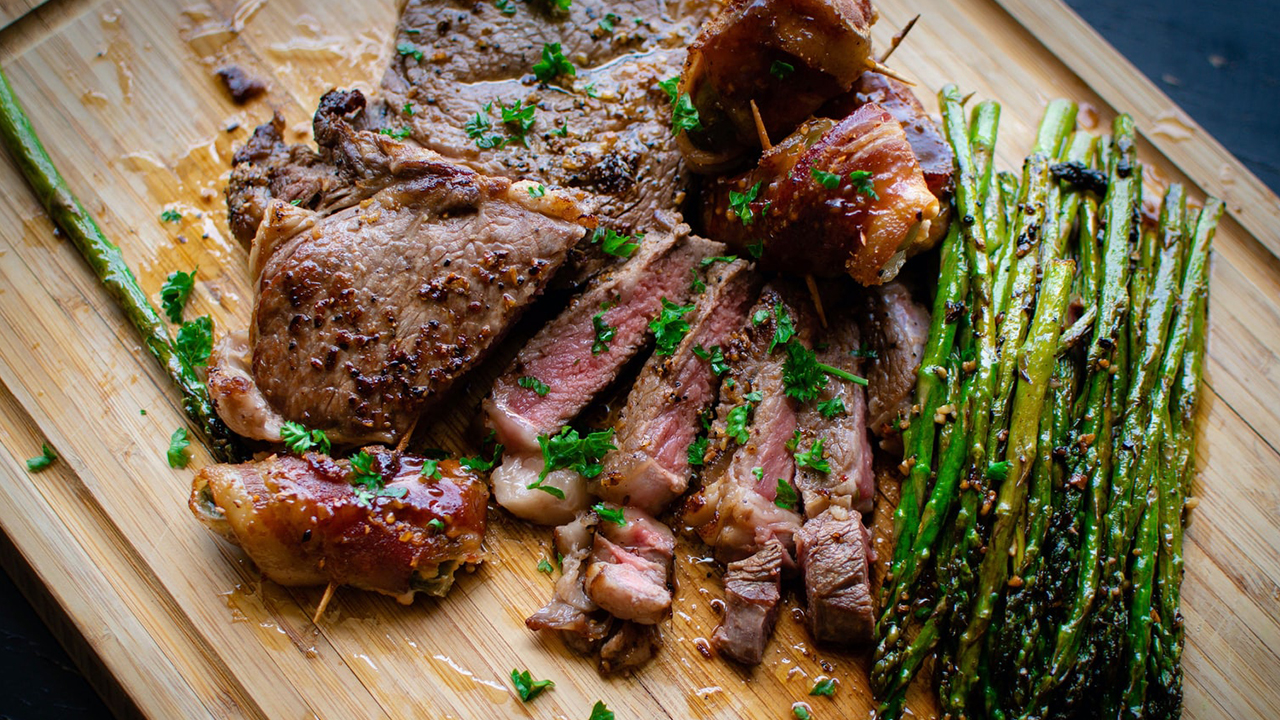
(173, 621)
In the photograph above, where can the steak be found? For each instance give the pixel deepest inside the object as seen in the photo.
(630, 646)
(833, 553)
(629, 573)
(571, 613)
(651, 468)
(573, 360)
(896, 328)
(752, 593)
(302, 522)
(364, 316)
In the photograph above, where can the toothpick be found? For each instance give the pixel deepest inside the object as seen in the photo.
(887, 71)
(760, 130)
(817, 299)
(897, 39)
(404, 439)
(324, 603)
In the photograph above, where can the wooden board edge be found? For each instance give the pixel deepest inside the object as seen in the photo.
(1112, 76)
(12, 11)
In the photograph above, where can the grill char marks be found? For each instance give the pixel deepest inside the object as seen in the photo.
(752, 589)
(650, 468)
(562, 356)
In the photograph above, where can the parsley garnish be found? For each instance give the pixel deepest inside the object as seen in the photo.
(431, 469)
(178, 444)
(828, 180)
(613, 515)
(756, 249)
(299, 440)
(740, 203)
(610, 19)
(736, 424)
(805, 377)
(399, 133)
(615, 244)
(760, 316)
(553, 63)
(600, 712)
(479, 463)
(562, 131)
(170, 216)
(684, 116)
(826, 686)
(44, 459)
(195, 341)
(698, 451)
(526, 687)
(781, 69)
(716, 357)
(785, 496)
(532, 383)
(998, 471)
(831, 408)
(864, 183)
(407, 109)
(368, 483)
(476, 128)
(864, 353)
(718, 258)
(410, 49)
(590, 90)
(538, 190)
(784, 329)
(671, 86)
(506, 7)
(436, 525)
(604, 333)
(813, 458)
(670, 327)
(801, 712)
(544, 566)
(570, 450)
(174, 293)
(519, 118)
(696, 285)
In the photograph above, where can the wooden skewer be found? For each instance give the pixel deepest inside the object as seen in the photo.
(817, 299)
(888, 71)
(897, 39)
(404, 439)
(760, 130)
(324, 603)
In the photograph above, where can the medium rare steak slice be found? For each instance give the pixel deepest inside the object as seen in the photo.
(575, 357)
(752, 590)
(833, 549)
(841, 472)
(629, 573)
(895, 327)
(650, 468)
(365, 316)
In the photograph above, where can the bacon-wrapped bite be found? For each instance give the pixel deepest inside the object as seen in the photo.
(834, 198)
(377, 522)
(789, 56)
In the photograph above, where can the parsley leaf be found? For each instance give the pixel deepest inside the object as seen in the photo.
(696, 285)
(368, 482)
(553, 64)
(671, 86)
(170, 216)
(570, 450)
(998, 471)
(831, 408)
(506, 7)
(608, 514)
(174, 293)
(544, 566)
(736, 424)
(299, 440)
(43, 460)
(760, 316)
(813, 458)
(615, 244)
(801, 712)
(740, 203)
(670, 327)
(538, 190)
(715, 356)
(801, 376)
(828, 180)
(407, 109)
(756, 249)
(784, 329)
(526, 687)
(785, 496)
(601, 712)
(684, 116)
(195, 341)
(698, 451)
(431, 469)
(476, 128)
(590, 90)
(825, 686)
(718, 258)
(436, 525)
(519, 118)
(399, 133)
(781, 69)
(562, 131)
(609, 21)
(604, 333)
(532, 383)
(864, 352)
(864, 183)
(178, 444)
(409, 49)
(479, 463)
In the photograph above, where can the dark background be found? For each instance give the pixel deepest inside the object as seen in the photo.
(1220, 61)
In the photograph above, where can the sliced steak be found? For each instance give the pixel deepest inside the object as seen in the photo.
(846, 449)
(752, 590)
(863, 228)
(365, 316)
(833, 553)
(650, 468)
(895, 327)
(737, 511)
(575, 361)
(630, 646)
(302, 522)
(571, 613)
(629, 573)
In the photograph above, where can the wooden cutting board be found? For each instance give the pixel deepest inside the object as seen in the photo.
(170, 620)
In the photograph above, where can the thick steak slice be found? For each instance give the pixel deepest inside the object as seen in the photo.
(846, 449)
(738, 510)
(367, 315)
(895, 327)
(630, 646)
(571, 612)
(650, 468)
(573, 359)
(752, 590)
(833, 551)
(301, 521)
(629, 573)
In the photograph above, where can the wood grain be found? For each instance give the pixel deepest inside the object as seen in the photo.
(123, 96)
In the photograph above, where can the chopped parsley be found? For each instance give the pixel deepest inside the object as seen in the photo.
(684, 116)
(368, 483)
(195, 341)
(436, 525)
(431, 469)
(754, 396)
(813, 458)
(610, 20)
(562, 131)
(519, 118)
(538, 190)
(831, 408)
(671, 86)
(828, 180)
(698, 451)
(590, 90)
(715, 356)
(478, 126)
(825, 687)
(174, 293)
(601, 712)
(409, 49)
(570, 450)
(736, 424)
(785, 496)
(706, 262)
(399, 133)
(696, 285)
(801, 712)
(781, 69)
(740, 203)
(299, 439)
(505, 7)
(794, 442)
(170, 216)
(43, 460)
(178, 444)
(864, 183)
(756, 249)
(784, 328)
(530, 382)
(998, 471)
(546, 567)
(479, 463)
(553, 63)
(616, 244)
(407, 109)
(526, 687)
(670, 327)
(760, 316)
(804, 377)
(604, 333)
(862, 352)
(608, 514)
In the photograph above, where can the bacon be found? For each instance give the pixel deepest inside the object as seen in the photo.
(809, 229)
(301, 522)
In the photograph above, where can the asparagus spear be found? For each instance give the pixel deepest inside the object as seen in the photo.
(106, 261)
